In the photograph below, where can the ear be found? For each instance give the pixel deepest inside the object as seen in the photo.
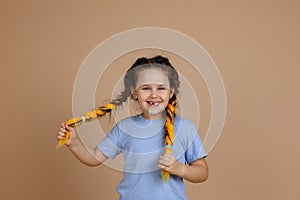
(133, 94)
(171, 93)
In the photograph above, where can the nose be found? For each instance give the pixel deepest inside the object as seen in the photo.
(153, 93)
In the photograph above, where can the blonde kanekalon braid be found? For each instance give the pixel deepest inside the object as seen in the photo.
(89, 116)
(169, 131)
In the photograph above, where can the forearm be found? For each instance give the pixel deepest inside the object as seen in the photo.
(194, 173)
(84, 154)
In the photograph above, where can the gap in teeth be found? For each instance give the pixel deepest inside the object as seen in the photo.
(153, 103)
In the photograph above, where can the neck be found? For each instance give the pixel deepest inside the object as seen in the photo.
(148, 116)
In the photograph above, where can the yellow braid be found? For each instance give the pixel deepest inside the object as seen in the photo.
(74, 122)
(169, 133)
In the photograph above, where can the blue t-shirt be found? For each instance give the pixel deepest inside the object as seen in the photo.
(141, 142)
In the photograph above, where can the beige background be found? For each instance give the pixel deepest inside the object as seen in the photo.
(255, 44)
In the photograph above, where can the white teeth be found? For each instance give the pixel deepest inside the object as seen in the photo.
(153, 103)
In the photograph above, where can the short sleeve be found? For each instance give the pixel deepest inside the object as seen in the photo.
(110, 145)
(195, 150)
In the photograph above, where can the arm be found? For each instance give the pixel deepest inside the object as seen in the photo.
(90, 157)
(196, 172)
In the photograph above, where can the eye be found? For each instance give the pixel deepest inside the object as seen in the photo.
(145, 88)
(162, 88)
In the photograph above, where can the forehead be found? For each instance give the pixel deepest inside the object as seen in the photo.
(152, 76)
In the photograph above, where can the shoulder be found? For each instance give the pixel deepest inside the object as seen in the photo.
(127, 120)
(184, 123)
(185, 129)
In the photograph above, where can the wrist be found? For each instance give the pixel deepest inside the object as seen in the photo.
(182, 170)
(72, 143)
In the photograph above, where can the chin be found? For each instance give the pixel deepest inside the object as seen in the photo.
(156, 114)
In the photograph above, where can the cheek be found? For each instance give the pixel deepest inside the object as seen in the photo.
(165, 95)
(142, 97)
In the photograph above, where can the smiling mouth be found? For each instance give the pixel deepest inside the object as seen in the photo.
(153, 103)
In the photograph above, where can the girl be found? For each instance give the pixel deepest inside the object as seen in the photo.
(155, 144)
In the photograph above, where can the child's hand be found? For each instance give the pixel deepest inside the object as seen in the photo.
(168, 163)
(61, 134)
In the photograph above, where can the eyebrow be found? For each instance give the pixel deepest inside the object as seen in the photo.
(155, 84)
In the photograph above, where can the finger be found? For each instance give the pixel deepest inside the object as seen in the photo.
(62, 134)
(62, 130)
(168, 156)
(166, 159)
(63, 125)
(69, 128)
(60, 137)
(163, 162)
(163, 167)
(166, 169)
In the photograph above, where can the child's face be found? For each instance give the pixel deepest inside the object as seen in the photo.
(153, 92)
